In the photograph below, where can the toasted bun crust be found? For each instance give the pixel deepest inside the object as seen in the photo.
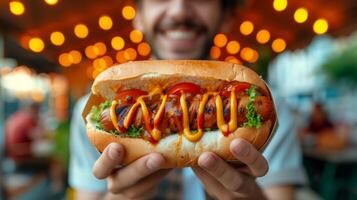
(150, 74)
(177, 150)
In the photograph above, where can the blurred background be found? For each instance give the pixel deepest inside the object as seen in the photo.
(51, 50)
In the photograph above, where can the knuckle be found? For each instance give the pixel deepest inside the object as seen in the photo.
(237, 186)
(113, 187)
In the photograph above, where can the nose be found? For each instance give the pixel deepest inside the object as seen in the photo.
(179, 10)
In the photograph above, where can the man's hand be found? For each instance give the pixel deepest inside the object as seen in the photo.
(138, 179)
(223, 181)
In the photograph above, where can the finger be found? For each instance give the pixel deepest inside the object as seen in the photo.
(146, 186)
(133, 173)
(212, 186)
(107, 162)
(229, 177)
(246, 153)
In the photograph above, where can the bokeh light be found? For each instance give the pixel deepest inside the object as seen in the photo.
(136, 36)
(301, 15)
(280, 5)
(57, 38)
(51, 2)
(100, 48)
(320, 26)
(99, 64)
(220, 40)
(64, 60)
(36, 44)
(246, 28)
(278, 45)
(16, 7)
(128, 12)
(81, 31)
(215, 52)
(233, 47)
(91, 52)
(108, 60)
(263, 36)
(144, 49)
(130, 54)
(117, 43)
(247, 54)
(120, 57)
(232, 59)
(75, 56)
(105, 22)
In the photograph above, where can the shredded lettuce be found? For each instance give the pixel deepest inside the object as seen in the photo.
(134, 132)
(254, 119)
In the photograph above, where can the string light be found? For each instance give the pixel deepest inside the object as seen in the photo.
(57, 38)
(247, 54)
(233, 47)
(130, 54)
(263, 36)
(100, 48)
(215, 52)
(75, 56)
(36, 44)
(278, 45)
(63, 59)
(51, 2)
(118, 43)
(120, 57)
(246, 28)
(81, 31)
(220, 40)
(16, 7)
(136, 36)
(91, 52)
(144, 49)
(301, 15)
(280, 5)
(105, 22)
(320, 26)
(128, 12)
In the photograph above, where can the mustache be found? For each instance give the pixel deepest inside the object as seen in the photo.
(168, 23)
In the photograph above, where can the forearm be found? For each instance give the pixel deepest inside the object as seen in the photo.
(283, 192)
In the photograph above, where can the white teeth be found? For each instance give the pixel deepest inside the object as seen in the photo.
(180, 35)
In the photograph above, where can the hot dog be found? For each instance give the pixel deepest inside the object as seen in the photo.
(179, 109)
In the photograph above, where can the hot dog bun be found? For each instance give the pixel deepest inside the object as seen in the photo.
(177, 150)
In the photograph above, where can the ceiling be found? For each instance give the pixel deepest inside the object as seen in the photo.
(41, 19)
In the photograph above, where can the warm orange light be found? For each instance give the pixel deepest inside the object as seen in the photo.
(215, 52)
(118, 43)
(280, 5)
(16, 7)
(246, 28)
(81, 30)
(95, 73)
(51, 2)
(136, 36)
(130, 54)
(232, 59)
(128, 12)
(320, 26)
(263, 36)
(301, 15)
(63, 59)
(75, 56)
(99, 64)
(100, 48)
(89, 72)
(57, 38)
(105, 22)
(24, 41)
(91, 52)
(36, 44)
(144, 49)
(233, 47)
(120, 57)
(247, 54)
(108, 60)
(220, 40)
(255, 57)
(278, 45)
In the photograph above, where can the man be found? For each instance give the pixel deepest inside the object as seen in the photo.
(184, 29)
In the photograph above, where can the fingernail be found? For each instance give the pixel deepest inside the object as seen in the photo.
(154, 163)
(240, 148)
(208, 161)
(114, 151)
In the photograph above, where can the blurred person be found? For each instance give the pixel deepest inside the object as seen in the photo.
(319, 120)
(21, 130)
(184, 29)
